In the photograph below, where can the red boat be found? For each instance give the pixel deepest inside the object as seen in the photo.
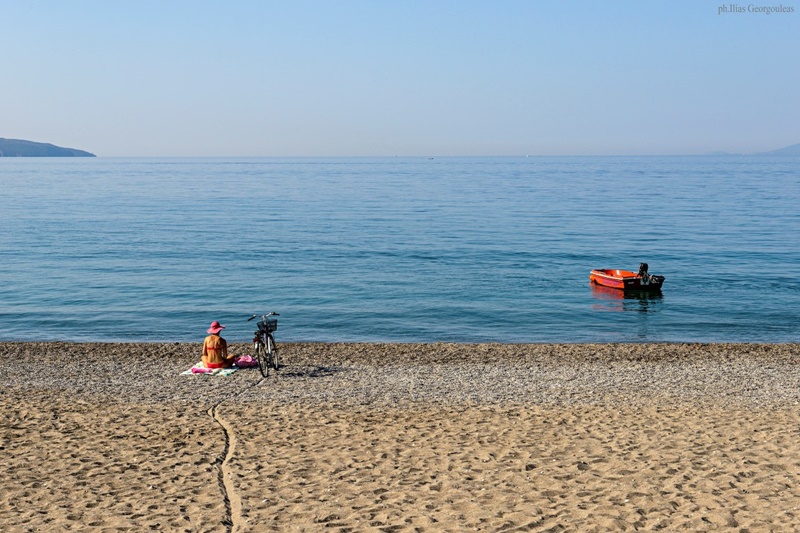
(627, 280)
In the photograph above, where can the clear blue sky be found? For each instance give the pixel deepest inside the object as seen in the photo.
(294, 78)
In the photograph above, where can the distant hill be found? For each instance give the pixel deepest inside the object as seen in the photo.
(789, 150)
(20, 148)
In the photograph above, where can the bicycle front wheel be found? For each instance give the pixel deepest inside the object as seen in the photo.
(263, 359)
(272, 350)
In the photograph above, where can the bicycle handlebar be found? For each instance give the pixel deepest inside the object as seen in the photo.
(264, 316)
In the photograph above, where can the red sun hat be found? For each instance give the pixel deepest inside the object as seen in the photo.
(215, 328)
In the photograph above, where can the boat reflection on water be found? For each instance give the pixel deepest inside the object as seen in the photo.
(625, 300)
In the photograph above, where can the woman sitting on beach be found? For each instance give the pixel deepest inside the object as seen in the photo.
(215, 349)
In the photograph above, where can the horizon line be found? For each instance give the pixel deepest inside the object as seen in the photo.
(435, 156)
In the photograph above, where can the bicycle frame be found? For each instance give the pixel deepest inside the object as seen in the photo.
(264, 347)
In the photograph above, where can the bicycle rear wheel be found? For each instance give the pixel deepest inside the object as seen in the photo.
(272, 350)
(263, 359)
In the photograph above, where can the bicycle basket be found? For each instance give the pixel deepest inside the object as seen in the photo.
(270, 324)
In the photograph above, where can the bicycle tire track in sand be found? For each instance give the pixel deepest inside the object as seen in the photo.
(233, 503)
(219, 462)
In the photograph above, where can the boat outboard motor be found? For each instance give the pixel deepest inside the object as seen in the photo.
(647, 278)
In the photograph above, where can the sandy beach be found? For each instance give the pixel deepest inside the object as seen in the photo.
(402, 437)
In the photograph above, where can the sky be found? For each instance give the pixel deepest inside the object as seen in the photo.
(410, 78)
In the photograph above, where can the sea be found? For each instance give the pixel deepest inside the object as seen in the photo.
(399, 249)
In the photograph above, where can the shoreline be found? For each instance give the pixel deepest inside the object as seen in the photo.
(402, 437)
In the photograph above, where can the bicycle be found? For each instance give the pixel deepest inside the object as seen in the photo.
(266, 351)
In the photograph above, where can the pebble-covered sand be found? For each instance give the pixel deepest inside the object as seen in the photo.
(733, 375)
(402, 437)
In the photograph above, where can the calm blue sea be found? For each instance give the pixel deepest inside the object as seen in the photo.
(399, 249)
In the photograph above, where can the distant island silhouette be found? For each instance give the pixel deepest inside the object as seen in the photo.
(794, 149)
(788, 150)
(21, 148)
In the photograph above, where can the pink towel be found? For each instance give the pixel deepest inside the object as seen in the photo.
(201, 370)
(245, 361)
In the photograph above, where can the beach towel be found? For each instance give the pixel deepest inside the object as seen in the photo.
(203, 371)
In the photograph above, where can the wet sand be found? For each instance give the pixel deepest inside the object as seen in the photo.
(402, 437)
